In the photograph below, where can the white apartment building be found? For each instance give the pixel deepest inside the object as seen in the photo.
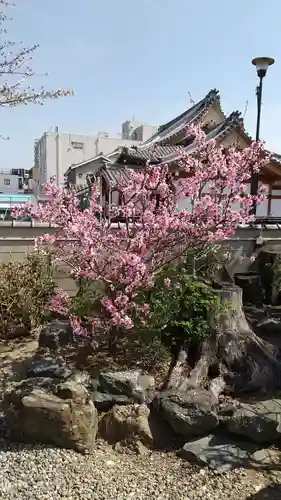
(55, 151)
(12, 181)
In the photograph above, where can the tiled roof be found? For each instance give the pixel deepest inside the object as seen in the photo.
(175, 126)
(276, 157)
(232, 122)
(114, 173)
(154, 153)
(190, 113)
(163, 154)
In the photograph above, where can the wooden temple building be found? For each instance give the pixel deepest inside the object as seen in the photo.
(172, 138)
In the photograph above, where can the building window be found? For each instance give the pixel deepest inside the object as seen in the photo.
(7, 182)
(77, 145)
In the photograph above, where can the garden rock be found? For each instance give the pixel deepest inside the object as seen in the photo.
(47, 411)
(254, 315)
(226, 409)
(134, 447)
(104, 402)
(252, 290)
(55, 335)
(260, 421)
(48, 367)
(219, 452)
(133, 424)
(190, 413)
(269, 329)
(269, 326)
(132, 384)
(127, 423)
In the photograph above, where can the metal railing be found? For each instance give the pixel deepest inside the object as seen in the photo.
(270, 220)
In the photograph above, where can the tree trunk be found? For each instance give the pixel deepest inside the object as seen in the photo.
(233, 358)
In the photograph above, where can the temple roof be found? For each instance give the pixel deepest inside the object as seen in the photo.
(165, 154)
(153, 153)
(232, 122)
(173, 139)
(114, 173)
(276, 157)
(178, 124)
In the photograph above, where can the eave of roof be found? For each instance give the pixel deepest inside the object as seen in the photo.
(157, 152)
(154, 154)
(275, 157)
(100, 156)
(208, 100)
(192, 115)
(114, 174)
(232, 122)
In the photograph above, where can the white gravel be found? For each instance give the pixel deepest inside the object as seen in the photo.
(46, 473)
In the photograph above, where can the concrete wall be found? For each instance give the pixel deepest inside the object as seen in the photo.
(17, 239)
(16, 242)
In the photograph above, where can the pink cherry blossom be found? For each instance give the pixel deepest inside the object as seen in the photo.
(128, 258)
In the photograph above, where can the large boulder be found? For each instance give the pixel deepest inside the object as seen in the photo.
(126, 423)
(252, 289)
(130, 383)
(48, 366)
(47, 411)
(260, 421)
(104, 402)
(121, 388)
(133, 424)
(55, 335)
(220, 452)
(268, 326)
(269, 329)
(254, 315)
(190, 413)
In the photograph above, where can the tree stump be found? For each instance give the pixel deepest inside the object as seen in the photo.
(233, 358)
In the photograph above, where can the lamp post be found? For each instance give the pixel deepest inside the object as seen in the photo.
(262, 64)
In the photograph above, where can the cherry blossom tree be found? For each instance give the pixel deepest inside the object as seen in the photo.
(127, 256)
(16, 70)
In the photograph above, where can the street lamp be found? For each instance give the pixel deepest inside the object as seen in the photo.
(262, 64)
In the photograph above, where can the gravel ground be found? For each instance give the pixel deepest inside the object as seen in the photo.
(41, 473)
(47, 473)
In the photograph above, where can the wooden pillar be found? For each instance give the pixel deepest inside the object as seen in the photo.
(109, 200)
(101, 200)
(269, 199)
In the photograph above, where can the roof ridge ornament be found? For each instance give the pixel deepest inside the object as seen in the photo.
(235, 116)
(212, 96)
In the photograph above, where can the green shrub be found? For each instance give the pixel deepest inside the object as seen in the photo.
(181, 314)
(86, 304)
(26, 289)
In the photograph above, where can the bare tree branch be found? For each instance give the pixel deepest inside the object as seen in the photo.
(15, 59)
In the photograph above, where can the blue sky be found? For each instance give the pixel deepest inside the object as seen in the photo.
(141, 59)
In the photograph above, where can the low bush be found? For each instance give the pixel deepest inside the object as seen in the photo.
(182, 308)
(26, 289)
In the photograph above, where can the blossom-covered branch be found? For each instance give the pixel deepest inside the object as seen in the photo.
(155, 232)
